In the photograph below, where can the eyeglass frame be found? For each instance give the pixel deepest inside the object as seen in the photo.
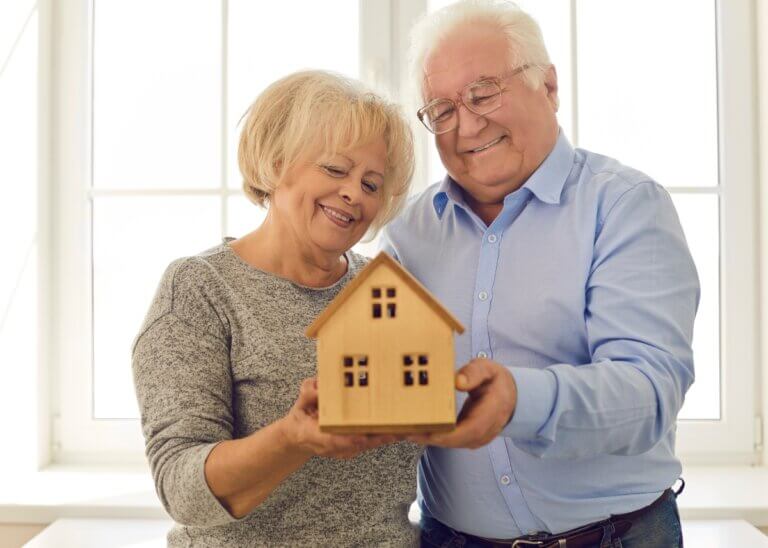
(460, 94)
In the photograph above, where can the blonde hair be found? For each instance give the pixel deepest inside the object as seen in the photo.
(322, 113)
(526, 43)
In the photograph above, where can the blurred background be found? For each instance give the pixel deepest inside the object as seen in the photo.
(118, 141)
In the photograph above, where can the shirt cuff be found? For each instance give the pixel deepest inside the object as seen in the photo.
(536, 393)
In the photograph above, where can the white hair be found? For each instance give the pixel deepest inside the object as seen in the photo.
(526, 43)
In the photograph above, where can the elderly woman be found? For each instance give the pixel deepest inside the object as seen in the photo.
(236, 458)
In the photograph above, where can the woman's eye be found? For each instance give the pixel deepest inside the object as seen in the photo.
(370, 187)
(334, 171)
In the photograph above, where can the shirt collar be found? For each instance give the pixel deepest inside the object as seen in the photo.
(546, 183)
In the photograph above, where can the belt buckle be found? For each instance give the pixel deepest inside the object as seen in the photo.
(522, 542)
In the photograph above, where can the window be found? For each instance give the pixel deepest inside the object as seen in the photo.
(388, 301)
(158, 177)
(409, 371)
(355, 367)
(144, 142)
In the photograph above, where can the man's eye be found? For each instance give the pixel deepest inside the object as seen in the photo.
(440, 114)
(480, 99)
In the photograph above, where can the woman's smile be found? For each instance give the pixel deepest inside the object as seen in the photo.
(337, 217)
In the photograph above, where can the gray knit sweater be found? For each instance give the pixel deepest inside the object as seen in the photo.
(222, 353)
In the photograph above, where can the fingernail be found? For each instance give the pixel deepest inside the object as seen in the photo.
(461, 380)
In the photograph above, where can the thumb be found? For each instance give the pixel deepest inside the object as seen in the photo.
(472, 375)
(307, 394)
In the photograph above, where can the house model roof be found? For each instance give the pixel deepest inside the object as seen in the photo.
(404, 275)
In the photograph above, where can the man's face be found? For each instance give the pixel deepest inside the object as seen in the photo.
(521, 133)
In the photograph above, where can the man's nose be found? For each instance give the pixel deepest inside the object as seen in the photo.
(470, 124)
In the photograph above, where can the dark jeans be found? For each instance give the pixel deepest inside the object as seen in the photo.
(658, 528)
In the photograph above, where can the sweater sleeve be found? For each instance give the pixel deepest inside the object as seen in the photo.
(183, 384)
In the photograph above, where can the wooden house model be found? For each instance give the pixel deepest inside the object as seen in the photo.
(385, 355)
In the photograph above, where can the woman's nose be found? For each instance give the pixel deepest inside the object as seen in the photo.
(349, 193)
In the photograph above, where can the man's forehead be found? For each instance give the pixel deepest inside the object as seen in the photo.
(444, 73)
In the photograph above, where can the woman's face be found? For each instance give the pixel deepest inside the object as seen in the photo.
(328, 203)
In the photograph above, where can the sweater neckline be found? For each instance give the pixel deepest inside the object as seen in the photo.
(254, 270)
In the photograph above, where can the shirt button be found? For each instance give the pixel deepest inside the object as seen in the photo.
(482, 295)
(505, 479)
(492, 238)
(482, 354)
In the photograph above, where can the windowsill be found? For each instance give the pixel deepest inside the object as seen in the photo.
(725, 492)
(61, 491)
(711, 492)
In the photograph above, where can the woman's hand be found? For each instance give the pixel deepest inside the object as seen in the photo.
(301, 430)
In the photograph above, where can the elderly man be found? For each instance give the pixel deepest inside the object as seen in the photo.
(573, 276)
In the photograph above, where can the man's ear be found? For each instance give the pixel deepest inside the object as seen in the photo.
(550, 83)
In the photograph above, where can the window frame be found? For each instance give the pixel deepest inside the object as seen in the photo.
(65, 171)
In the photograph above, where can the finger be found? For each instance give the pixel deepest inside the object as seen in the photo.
(475, 427)
(421, 439)
(473, 375)
(338, 445)
(380, 440)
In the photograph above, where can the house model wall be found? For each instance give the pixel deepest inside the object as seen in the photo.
(385, 355)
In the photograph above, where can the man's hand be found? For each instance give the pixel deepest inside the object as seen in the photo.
(491, 403)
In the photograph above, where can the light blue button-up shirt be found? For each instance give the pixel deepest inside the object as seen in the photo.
(583, 286)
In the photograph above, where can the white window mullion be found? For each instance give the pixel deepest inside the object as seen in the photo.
(224, 115)
(574, 81)
(404, 90)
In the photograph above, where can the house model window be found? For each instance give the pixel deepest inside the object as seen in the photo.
(415, 366)
(355, 367)
(384, 299)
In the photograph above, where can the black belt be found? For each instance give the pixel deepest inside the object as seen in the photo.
(585, 536)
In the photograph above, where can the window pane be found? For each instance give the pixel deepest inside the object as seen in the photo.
(268, 40)
(20, 344)
(18, 166)
(13, 16)
(651, 103)
(554, 18)
(699, 217)
(243, 216)
(134, 240)
(157, 93)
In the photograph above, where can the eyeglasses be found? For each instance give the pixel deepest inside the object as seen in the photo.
(480, 97)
